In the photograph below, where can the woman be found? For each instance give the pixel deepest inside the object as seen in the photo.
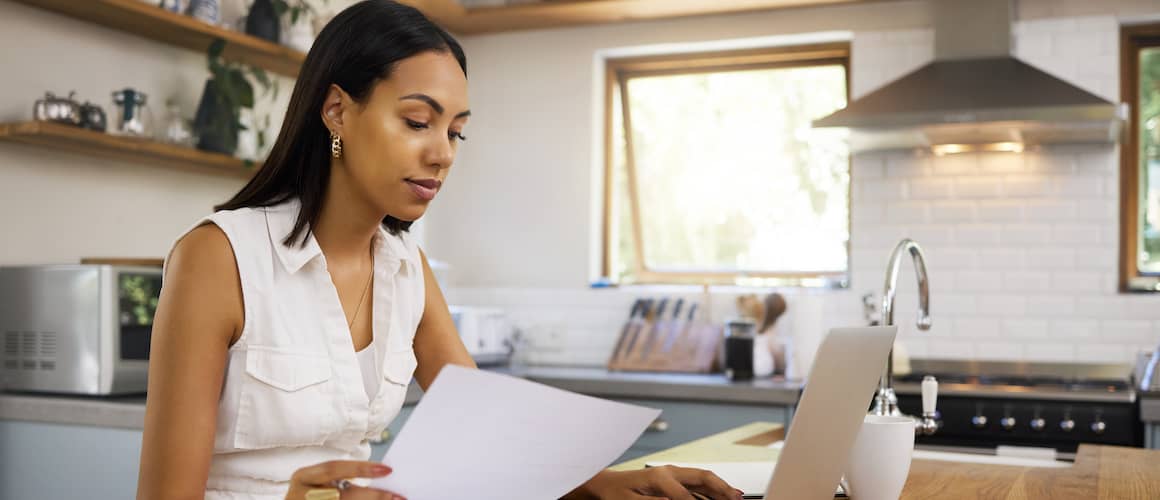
(293, 318)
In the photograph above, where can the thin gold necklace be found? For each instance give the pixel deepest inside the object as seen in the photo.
(363, 296)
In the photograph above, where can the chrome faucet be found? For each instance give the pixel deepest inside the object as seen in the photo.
(885, 401)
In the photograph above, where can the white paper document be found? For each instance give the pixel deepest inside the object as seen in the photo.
(482, 435)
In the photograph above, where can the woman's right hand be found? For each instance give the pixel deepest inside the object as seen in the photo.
(325, 475)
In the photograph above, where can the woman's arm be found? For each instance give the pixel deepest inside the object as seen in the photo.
(437, 343)
(198, 316)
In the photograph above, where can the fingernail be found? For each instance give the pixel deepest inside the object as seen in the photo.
(381, 470)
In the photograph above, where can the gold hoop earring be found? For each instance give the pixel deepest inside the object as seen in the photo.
(335, 145)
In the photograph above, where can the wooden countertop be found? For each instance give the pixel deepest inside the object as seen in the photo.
(1099, 472)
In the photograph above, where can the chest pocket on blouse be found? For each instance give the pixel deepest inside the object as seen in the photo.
(287, 399)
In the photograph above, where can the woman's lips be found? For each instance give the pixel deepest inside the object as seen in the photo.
(425, 189)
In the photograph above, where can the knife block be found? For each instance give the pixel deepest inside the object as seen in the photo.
(647, 346)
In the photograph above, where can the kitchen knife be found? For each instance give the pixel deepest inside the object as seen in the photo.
(674, 327)
(650, 339)
(618, 352)
(636, 327)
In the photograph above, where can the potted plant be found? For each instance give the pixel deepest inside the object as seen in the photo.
(227, 91)
(296, 30)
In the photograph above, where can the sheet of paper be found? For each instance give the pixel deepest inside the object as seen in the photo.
(484, 436)
(749, 477)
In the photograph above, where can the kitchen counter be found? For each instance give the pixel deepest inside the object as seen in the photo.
(129, 412)
(1150, 408)
(1098, 471)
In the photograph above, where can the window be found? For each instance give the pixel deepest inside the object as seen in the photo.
(722, 180)
(1140, 160)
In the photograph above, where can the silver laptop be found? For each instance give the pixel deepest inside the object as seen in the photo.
(838, 392)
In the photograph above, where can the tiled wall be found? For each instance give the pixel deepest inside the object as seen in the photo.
(1021, 248)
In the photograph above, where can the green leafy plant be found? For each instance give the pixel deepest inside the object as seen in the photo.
(232, 92)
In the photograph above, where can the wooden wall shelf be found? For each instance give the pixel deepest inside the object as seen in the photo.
(155, 23)
(77, 140)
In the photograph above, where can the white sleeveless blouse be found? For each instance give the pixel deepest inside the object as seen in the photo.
(294, 392)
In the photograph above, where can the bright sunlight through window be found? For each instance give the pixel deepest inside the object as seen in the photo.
(722, 180)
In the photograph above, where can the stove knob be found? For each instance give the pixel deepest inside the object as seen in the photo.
(1007, 423)
(979, 421)
(1067, 425)
(1099, 427)
(1038, 424)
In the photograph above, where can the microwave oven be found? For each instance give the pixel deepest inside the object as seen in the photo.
(77, 329)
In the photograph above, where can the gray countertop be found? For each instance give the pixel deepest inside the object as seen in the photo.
(129, 412)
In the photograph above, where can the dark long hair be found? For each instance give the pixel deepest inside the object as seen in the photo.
(356, 50)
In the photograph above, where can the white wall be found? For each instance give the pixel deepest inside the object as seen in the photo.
(58, 206)
(1021, 248)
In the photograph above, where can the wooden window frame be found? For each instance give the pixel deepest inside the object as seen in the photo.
(1133, 39)
(617, 74)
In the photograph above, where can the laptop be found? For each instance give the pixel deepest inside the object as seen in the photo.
(838, 392)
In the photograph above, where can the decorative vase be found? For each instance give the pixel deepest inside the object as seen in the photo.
(209, 11)
(298, 36)
(247, 142)
(263, 22)
(215, 124)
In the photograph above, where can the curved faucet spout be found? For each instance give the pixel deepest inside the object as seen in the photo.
(885, 402)
(907, 246)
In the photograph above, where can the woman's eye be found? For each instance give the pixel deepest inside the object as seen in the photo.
(457, 136)
(416, 125)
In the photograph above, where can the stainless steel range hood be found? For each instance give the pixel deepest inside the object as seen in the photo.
(976, 96)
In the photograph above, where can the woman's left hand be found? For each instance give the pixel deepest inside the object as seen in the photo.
(655, 483)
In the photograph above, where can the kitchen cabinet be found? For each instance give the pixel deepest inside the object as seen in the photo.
(59, 462)
(1152, 436)
(380, 449)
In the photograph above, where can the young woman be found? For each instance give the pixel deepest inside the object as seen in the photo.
(294, 317)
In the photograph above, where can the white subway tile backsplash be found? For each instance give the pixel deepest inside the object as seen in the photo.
(951, 349)
(883, 190)
(1027, 282)
(1004, 351)
(979, 281)
(1100, 211)
(1026, 235)
(1049, 211)
(1000, 211)
(1077, 186)
(1077, 235)
(1051, 258)
(978, 328)
(956, 304)
(930, 189)
(907, 165)
(981, 235)
(1049, 162)
(950, 211)
(1051, 305)
(1027, 186)
(1048, 352)
(952, 259)
(1126, 330)
(1073, 329)
(1020, 328)
(1078, 282)
(1103, 353)
(867, 166)
(907, 212)
(978, 187)
(1000, 259)
(1102, 259)
(932, 237)
(1003, 305)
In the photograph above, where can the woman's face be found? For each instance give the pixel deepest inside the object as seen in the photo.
(399, 144)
